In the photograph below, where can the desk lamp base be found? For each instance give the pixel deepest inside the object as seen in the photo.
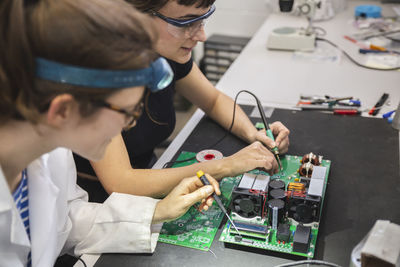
(288, 38)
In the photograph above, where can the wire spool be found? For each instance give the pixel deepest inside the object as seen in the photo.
(208, 154)
(306, 169)
(311, 157)
(277, 194)
(276, 184)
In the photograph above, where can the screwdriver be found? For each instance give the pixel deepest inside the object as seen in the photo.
(275, 149)
(205, 181)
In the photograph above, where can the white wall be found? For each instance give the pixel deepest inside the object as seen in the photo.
(244, 17)
(235, 18)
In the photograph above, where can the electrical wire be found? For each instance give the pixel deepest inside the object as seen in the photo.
(169, 163)
(353, 60)
(312, 262)
(80, 259)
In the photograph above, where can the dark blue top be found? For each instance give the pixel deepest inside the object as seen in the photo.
(141, 140)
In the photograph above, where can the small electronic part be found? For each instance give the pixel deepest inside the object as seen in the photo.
(304, 208)
(261, 183)
(276, 184)
(283, 233)
(311, 157)
(301, 239)
(317, 183)
(252, 228)
(296, 188)
(238, 238)
(276, 212)
(246, 204)
(277, 194)
(248, 198)
(208, 154)
(249, 241)
(306, 169)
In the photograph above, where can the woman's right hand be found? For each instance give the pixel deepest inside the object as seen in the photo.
(183, 196)
(255, 155)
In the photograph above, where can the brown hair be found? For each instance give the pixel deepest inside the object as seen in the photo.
(147, 5)
(97, 33)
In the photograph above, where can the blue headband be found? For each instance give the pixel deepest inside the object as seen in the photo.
(156, 77)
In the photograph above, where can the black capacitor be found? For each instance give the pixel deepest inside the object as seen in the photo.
(276, 184)
(277, 194)
(276, 212)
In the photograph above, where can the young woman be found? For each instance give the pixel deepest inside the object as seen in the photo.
(72, 76)
(180, 26)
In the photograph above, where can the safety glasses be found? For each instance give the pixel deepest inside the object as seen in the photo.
(185, 28)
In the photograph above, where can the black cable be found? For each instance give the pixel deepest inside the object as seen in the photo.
(381, 34)
(353, 60)
(215, 144)
(312, 262)
(230, 127)
(79, 259)
(393, 39)
(177, 161)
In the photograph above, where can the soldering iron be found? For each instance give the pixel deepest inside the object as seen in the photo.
(275, 149)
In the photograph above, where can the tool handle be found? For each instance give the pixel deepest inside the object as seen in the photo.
(270, 135)
(346, 112)
(205, 181)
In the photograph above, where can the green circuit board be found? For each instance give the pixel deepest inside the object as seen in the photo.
(269, 241)
(198, 229)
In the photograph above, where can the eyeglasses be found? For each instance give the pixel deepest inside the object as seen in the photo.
(187, 28)
(131, 116)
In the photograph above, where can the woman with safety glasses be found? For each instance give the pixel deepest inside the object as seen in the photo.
(72, 76)
(180, 25)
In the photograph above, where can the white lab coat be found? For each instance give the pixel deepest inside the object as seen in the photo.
(62, 220)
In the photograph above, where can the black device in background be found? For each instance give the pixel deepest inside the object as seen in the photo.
(286, 5)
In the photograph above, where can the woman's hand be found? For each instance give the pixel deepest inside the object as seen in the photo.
(183, 196)
(251, 157)
(281, 134)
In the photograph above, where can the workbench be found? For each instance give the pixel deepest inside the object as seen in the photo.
(365, 177)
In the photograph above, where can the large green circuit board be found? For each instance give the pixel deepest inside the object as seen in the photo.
(197, 230)
(291, 164)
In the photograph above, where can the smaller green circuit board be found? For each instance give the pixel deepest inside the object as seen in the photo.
(197, 229)
(291, 164)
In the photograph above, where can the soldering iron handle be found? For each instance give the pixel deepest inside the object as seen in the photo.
(262, 114)
(270, 135)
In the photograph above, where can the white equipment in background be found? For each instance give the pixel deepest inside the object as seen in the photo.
(290, 38)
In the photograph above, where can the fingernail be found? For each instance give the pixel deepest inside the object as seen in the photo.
(209, 189)
(273, 144)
